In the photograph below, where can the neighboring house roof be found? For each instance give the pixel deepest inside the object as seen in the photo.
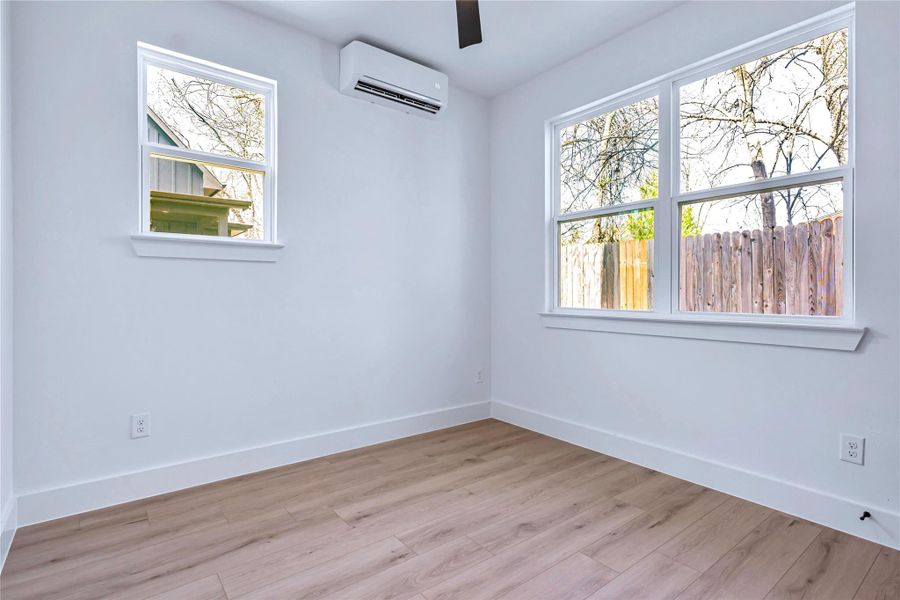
(211, 183)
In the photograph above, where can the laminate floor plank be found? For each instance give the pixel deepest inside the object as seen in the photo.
(513, 529)
(508, 570)
(482, 511)
(333, 576)
(631, 542)
(168, 565)
(882, 582)
(406, 579)
(526, 472)
(709, 539)
(654, 577)
(573, 578)
(833, 567)
(313, 501)
(452, 479)
(505, 497)
(208, 588)
(756, 564)
(256, 572)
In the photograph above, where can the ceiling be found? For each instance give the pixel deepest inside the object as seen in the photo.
(521, 38)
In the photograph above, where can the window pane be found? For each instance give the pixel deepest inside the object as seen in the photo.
(784, 113)
(607, 262)
(610, 159)
(198, 114)
(205, 199)
(776, 253)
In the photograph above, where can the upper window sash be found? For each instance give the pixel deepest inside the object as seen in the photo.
(595, 110)
(840, 19)
(221, 74)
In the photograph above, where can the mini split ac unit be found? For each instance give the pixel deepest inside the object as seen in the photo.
(389, 80)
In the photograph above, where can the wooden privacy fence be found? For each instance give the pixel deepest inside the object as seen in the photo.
(793, 270)
(610, 275)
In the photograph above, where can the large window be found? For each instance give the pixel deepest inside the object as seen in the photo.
(724, 189)
(207, 141)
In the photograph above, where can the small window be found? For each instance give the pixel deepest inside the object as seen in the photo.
(207, 149)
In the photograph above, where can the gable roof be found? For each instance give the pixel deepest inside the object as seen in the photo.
(211, 183)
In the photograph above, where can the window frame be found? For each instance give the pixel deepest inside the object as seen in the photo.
(666, 207)
(174, 244)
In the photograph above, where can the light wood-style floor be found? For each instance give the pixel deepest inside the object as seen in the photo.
(485, 510)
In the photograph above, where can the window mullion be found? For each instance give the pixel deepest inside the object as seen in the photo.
(663, 215)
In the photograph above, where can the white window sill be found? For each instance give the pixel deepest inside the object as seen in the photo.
(800, 335)
(162, 245)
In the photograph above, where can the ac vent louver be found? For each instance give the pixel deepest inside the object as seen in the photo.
(397, 97)
(378, 77)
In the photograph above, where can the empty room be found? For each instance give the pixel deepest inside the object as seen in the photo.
(450, 300)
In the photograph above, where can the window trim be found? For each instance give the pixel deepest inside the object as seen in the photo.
(152, 243)
(666, 264)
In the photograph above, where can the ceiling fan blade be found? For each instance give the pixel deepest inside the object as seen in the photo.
(468, 23)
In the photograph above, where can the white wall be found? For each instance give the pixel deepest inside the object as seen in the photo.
(378, 309)
(734, 416)
(7, 497)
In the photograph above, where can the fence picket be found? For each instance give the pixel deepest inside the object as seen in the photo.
(746, 272)
(790, 270)
(699, 274)
(767, 237)
(838, 265)
(726, 303)
(812, 296)
(826, 301)
(716, 257)
(736, 270)
(778, 270)
(803, 274)
(756, 263)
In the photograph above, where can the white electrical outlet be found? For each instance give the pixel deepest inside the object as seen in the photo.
(140, 425)
(853, 448)
(479, 377)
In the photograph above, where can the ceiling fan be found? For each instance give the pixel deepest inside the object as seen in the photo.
(468, 23)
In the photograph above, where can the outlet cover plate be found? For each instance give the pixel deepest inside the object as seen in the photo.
(140, 425)
(853, 448)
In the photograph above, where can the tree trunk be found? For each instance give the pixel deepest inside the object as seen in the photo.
(766, 199)
(754, 145)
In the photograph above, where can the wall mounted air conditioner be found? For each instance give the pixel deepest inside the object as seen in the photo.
(387, 79)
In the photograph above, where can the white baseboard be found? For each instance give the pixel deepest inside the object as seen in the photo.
(814, 505)
(36, 507)
(8, 522)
